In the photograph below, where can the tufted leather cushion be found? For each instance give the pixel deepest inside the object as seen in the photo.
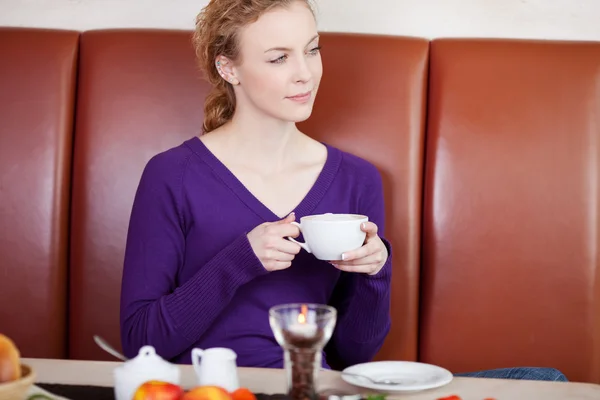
(510, 268)
(139, 93)
(37, 94)
(371, 103)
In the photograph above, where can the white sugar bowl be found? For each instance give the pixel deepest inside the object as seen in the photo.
(146, 366)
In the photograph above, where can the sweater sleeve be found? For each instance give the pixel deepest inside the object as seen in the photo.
(155, 309)
(362, 300)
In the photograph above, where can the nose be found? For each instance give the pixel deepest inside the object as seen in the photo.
(302, 72)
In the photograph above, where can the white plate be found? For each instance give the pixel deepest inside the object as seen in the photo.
(412, 375)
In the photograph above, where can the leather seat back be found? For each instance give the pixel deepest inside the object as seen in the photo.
(37, 100)
(139, 93)
(371, 103)
(510, 247)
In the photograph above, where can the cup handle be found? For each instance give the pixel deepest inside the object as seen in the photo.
(196, 356)
(303, 245)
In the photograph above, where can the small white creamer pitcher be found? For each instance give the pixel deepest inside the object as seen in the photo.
(216, 366)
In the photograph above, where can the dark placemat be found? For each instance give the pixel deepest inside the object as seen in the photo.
(79, 392)
(84, 392)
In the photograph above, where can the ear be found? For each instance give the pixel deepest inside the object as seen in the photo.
(226, 69)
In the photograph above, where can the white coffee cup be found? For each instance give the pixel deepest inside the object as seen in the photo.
(328, 236)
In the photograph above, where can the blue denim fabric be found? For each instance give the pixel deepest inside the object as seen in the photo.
(525, 373)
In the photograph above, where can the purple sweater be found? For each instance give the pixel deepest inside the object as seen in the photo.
(191, 278)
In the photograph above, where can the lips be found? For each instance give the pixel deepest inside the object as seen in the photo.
(302, 97)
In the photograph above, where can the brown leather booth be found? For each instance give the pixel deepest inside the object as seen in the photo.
(383, 121)
(38, 71)
(510, 217)
(138, 94)
(488, 151)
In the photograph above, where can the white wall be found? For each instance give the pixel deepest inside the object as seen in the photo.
(550, 19)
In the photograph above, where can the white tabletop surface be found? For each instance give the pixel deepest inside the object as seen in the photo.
(99, 373)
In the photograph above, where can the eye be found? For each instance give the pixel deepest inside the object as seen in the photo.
(314, 51)
(279, 60)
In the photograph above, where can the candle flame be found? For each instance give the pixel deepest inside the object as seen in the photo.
(302, 315)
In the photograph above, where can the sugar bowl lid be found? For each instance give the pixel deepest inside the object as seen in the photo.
(148, 361)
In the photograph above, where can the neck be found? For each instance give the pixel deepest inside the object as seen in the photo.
(261, 142)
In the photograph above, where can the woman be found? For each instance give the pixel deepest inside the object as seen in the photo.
(207, 253)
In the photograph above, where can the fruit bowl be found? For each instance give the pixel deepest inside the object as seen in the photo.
(17, 390)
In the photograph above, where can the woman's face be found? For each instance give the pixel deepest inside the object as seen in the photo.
(280, 68)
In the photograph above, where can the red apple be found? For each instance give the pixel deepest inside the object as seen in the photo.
(158, 390)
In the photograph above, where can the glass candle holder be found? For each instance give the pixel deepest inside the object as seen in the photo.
(302, 330)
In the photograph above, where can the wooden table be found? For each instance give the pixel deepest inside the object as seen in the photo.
(271, 381)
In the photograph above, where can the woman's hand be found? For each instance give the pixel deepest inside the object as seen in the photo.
(270, 245)
(370, 258)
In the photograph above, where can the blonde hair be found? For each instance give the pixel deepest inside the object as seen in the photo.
(217, 30)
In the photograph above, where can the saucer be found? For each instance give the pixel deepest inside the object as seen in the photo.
(412, 376)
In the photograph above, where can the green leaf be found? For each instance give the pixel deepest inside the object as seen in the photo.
(376, 397)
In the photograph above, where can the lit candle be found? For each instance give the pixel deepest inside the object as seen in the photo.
(302, 327)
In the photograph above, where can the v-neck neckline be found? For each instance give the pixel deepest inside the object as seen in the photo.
(306, 205)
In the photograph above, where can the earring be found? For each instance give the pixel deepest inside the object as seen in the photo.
(220, 71)
(230, 79)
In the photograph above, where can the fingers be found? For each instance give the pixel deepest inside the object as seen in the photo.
(290, 218)
(276, 239)
(366, 265)
(370, 228)
(362, 269)
(374, 258)
(368, 259)
(369, 248)
(283, 227)
(270, 243)
(284, 246)
(283, 230)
